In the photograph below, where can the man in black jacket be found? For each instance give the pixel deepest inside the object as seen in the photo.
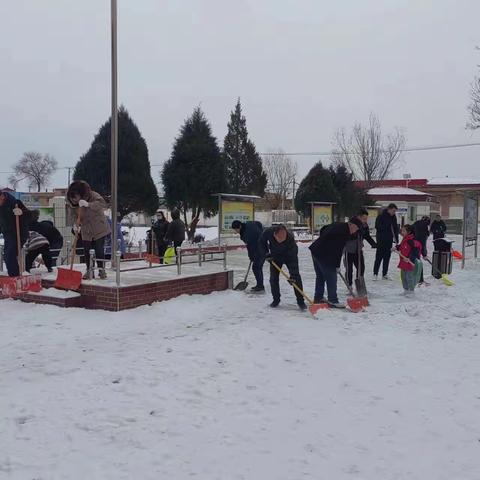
(176, 230)
(278, 245)
(387, 233)
(354, 247)
(250, 233)
(47, 230)
(10, 207)
(438, 228)
(327, 251)
(160, 228)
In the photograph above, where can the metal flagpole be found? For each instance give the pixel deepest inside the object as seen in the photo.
(114, 134)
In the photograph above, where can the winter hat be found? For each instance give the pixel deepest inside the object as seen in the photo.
(236, 224)
(356, 221)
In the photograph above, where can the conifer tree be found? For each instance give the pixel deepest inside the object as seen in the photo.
(243, 164)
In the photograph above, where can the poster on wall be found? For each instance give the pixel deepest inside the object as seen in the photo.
(322, 215)
(373, 213)
(471, 216)
(235, 210)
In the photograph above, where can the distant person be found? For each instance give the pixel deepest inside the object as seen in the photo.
(277, 244)
(176, 230)
(438, 228)
(121, 246)
(354, 247)
(327, 251)
(10, 209)
(160, 228)
(387, 233)
(37, 245)
(93, 224)
(47, 229)
(250, 233)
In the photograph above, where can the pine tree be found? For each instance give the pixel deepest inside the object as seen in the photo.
(136, 189)
(317, 186)
(350, 197)
(244, 169)
(194, 171)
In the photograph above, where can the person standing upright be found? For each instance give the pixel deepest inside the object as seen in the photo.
(160, 228)
(438, 228)
(387, 233)
(250, 233)
(176, 230)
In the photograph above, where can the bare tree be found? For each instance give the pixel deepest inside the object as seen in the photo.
(281, 171)
(35, 168)
(366, 152)
(474, 107)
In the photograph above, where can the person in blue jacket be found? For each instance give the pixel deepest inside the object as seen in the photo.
(250, 233)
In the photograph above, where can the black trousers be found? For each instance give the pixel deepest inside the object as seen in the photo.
(162, 248)
(293, 270)
(382, 256)
(99, 246)
(352, 259)
(44, 251)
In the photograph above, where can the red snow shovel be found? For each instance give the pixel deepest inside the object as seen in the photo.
(313, 308)
(355, 304)
(68, 278)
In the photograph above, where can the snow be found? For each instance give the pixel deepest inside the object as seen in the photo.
(56, 293)
(453, 181)
(223, 387)
(394, 191)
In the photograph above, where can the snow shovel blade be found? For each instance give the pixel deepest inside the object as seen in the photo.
(356, 304)
(315, 307)
(241, 286)
(446, 281)
(68, 279)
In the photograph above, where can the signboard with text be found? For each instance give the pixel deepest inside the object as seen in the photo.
(322, 214)
(235, 210)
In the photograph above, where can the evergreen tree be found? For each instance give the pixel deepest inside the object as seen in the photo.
(350, 197)
(136, 189)
(244, 169)
(317, 186)
(194, 171)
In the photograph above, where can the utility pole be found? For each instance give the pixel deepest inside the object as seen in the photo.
(114, 135)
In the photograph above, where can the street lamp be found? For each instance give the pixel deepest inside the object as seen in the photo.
(114, 134)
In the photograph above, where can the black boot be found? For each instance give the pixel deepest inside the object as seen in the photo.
(257, 289)
(302, 306)
(275, 303)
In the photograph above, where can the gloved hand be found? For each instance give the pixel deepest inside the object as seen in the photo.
(268, 257)
(291, 281)
(17, 211)
(83, 203)
(76, 228)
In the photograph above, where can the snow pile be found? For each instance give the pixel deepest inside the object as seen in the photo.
(223, 387)
(394, 191)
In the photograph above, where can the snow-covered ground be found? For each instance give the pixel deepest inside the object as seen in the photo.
(223, 387)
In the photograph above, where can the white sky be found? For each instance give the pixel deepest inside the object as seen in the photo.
(302, 69)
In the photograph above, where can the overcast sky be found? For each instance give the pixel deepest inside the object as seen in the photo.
(301, 67)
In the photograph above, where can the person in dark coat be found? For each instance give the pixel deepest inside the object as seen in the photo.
(327, 251)
(277, 244)
(176, 230)
(10, 207)
(421, 232)
(354, 247)
(387, 232)
(160, 228)
(250, 233)
(438, 228)
(47, 229)
(37, 245)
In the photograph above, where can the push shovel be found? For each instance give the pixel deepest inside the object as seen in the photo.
(68, 278)
(244, 284)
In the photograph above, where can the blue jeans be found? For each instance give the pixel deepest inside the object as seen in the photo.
(326, 274)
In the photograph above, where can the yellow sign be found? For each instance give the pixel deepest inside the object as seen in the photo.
(231, 211)
(372, 217)
(322, 215)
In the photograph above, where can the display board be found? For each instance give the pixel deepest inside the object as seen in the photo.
(322, 214)
(235, 210)
(373, 213)
(471, 216)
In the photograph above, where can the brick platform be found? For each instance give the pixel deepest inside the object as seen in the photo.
(121, 298)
